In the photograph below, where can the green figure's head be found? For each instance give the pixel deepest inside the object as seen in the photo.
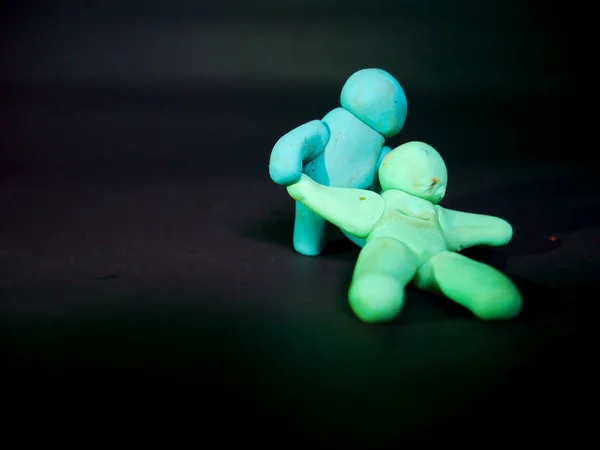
(417, 169)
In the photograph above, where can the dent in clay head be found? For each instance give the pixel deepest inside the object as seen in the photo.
(376, 98)
(417, 169)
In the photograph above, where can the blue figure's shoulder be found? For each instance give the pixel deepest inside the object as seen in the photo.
(351, 155)
(340, 116)
(345, 125)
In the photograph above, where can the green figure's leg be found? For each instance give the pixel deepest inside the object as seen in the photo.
(483, 290)
(309, 231)
(383, 269)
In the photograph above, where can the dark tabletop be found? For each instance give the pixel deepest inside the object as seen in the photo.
(175, 263)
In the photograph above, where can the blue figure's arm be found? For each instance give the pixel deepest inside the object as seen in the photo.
(296, 148)
(376, 186)
(356, 211)
(462, 230)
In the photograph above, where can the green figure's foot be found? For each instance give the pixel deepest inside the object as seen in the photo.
(383, 269)
(376, 297)
(485, 291)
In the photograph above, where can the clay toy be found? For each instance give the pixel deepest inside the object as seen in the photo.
(409, 237)
(344, 149)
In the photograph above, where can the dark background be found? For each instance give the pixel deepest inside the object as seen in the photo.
(144, 249)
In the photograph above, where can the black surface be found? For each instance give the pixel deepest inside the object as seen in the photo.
(145, 253)
(148, 267)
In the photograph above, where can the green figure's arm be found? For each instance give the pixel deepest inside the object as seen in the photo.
(353, 210)
(462, 230)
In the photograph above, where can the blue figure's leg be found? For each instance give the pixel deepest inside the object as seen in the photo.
(309, 231)
(383, 269)
(486, 292)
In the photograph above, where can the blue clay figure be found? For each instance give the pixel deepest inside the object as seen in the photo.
(344, 149)
(411, 238)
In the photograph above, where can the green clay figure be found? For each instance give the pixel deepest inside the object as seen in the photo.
(411, 238)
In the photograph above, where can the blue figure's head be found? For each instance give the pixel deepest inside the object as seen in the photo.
(376, 98)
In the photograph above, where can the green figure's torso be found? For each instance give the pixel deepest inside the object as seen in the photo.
(412, 221)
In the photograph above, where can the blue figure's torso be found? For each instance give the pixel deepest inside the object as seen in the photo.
(351, 154)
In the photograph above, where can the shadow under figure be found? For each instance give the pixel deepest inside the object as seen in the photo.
(411, 238)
